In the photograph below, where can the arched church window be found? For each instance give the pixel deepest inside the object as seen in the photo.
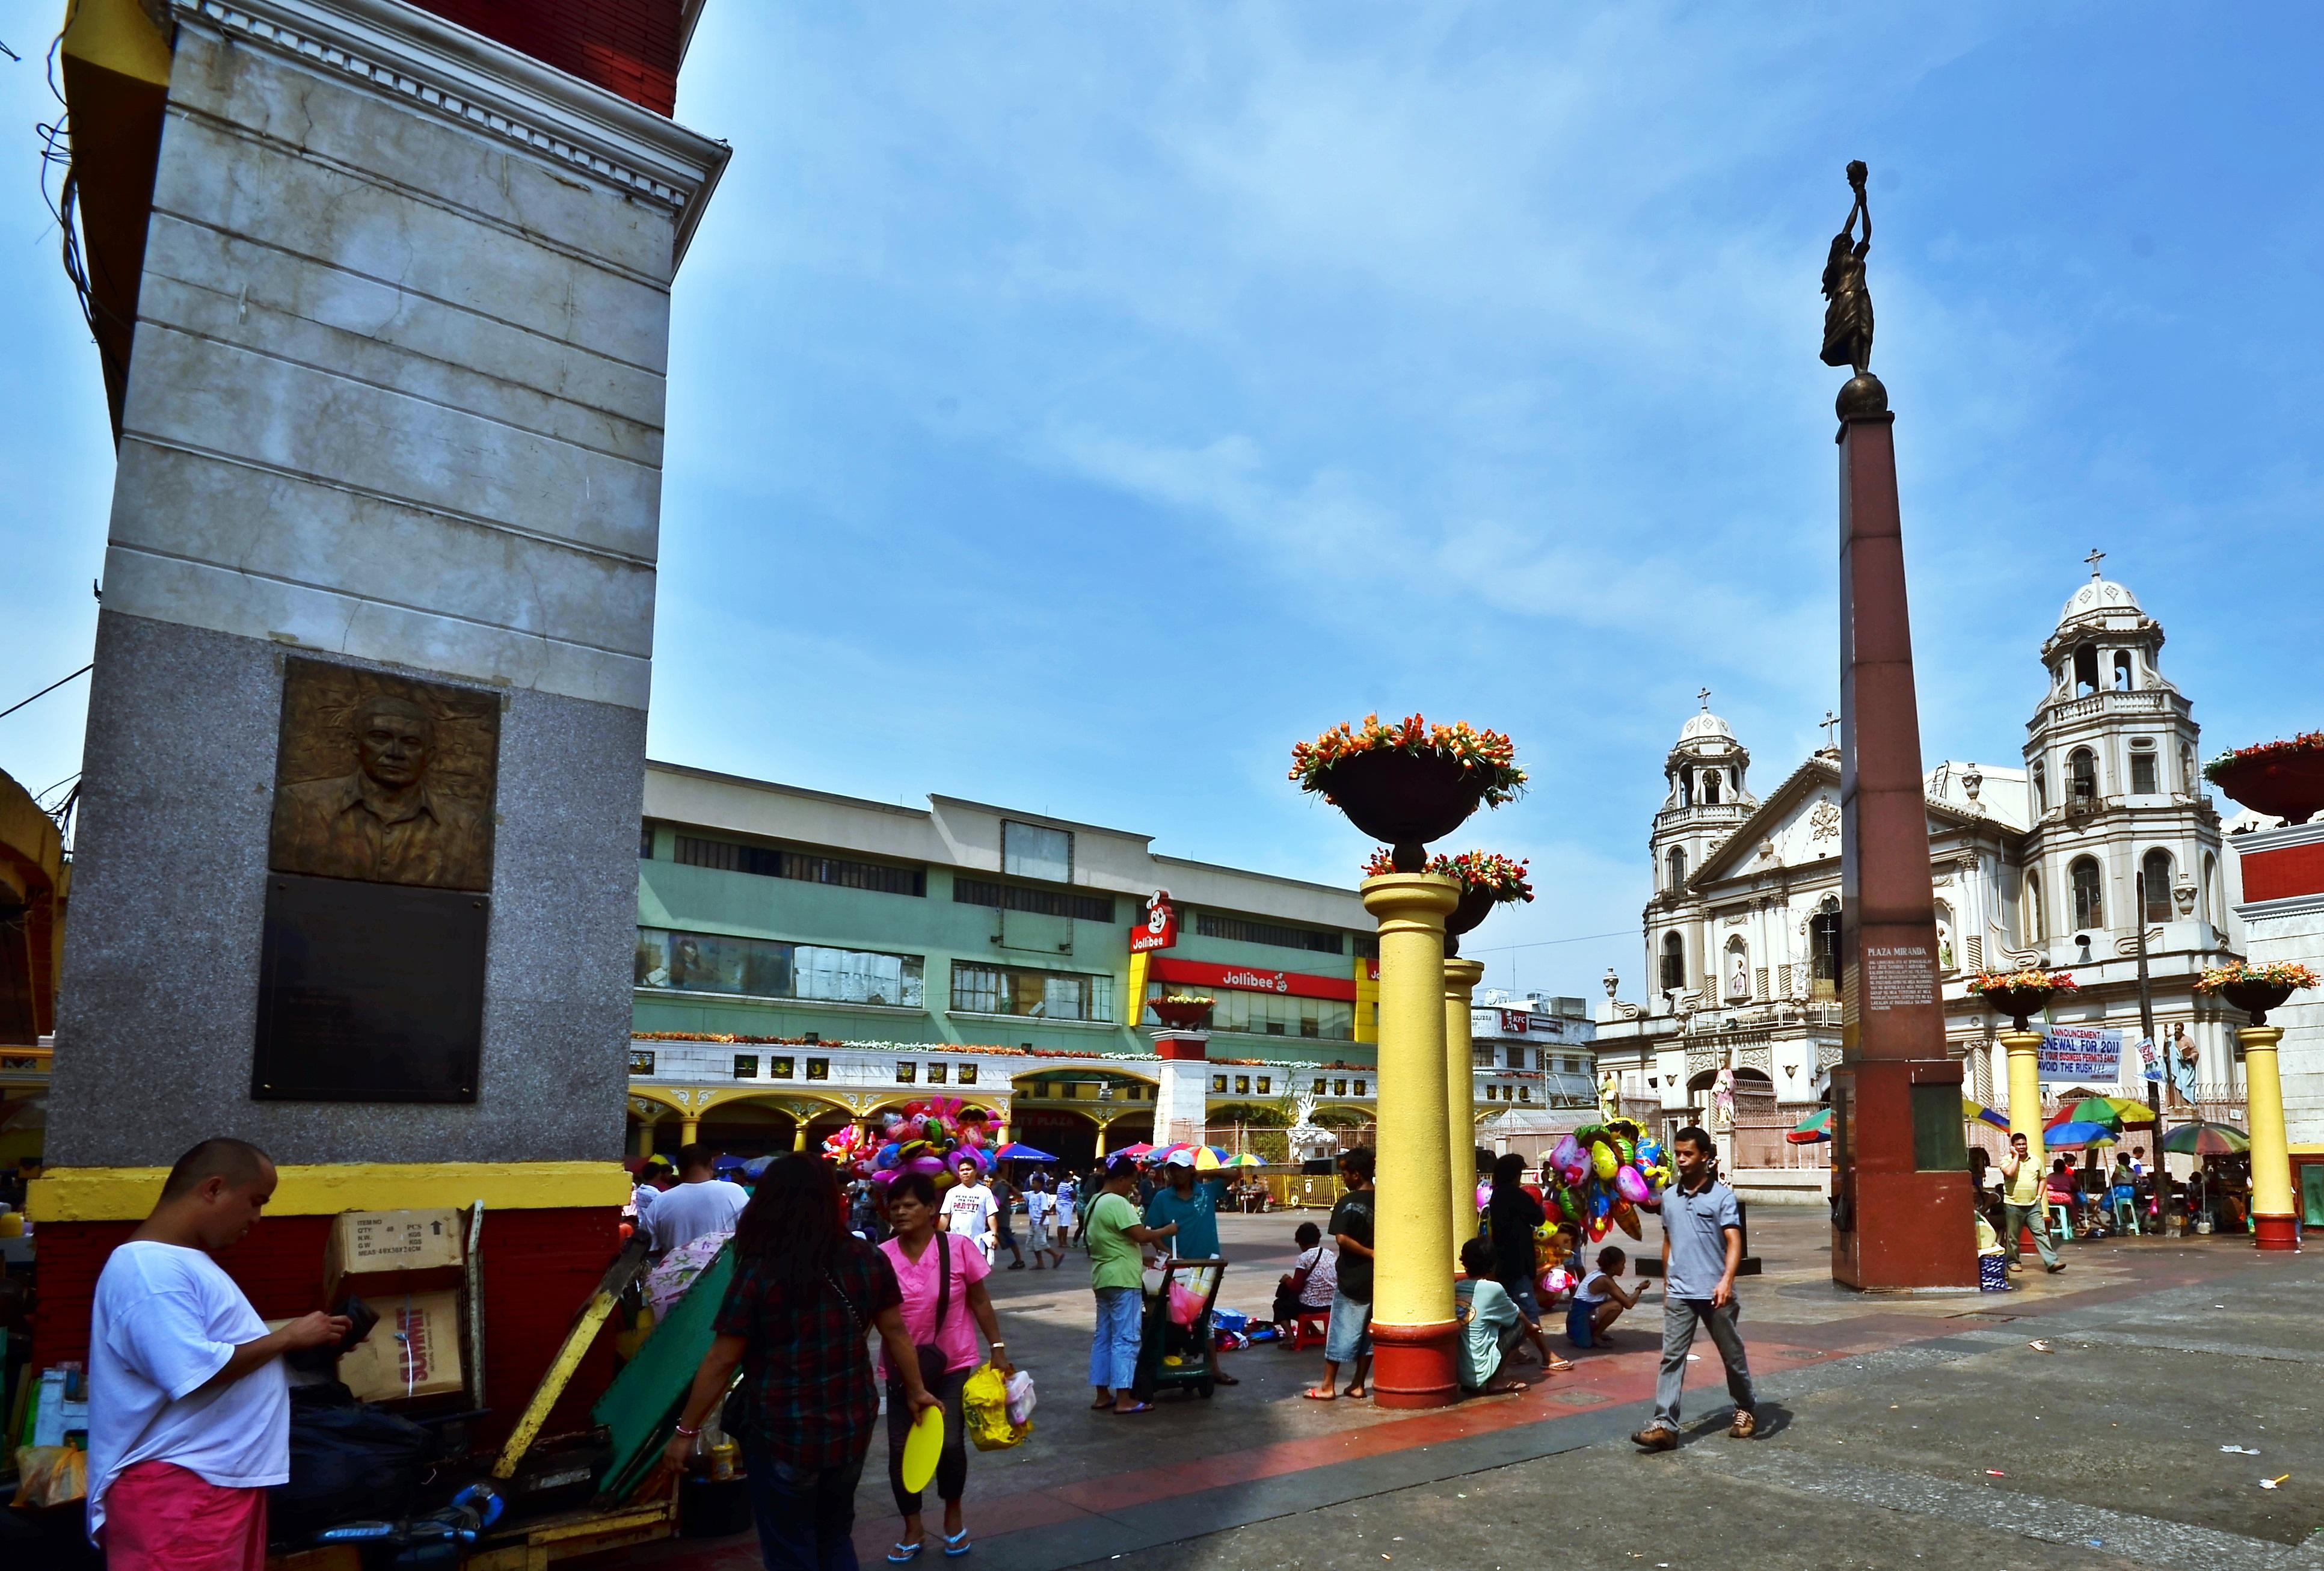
(1823, 955)
(2089, 907)
(2145, 772)
(2123, 680)
(2154, 873)
(2086, 669)
(1710, 787)
(1686, 789)
(2187, 769)
(2213, 904)
(1674, 963)
(2041, 786)
(2082, 776)
(1676, 862)
(2036, 932)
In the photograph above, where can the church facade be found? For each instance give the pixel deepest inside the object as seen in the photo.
(2101, 833)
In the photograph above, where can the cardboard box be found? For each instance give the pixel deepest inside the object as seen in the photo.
(414, 1351)
(366, 1243)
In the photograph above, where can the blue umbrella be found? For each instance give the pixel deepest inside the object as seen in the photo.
(2080, 1133)
(1016, 1151)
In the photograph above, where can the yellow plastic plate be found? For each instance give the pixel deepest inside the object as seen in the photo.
(922, 1446)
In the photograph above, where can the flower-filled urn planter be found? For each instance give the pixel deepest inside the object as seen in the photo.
(1409, 782)
(1182, 1013)
(1487, 878)
(2284, 779)
(2256, 989)
(2021, 994)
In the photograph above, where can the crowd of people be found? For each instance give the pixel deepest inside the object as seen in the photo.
(2097, 1200)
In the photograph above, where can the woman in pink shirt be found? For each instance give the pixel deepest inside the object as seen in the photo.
(941, 1277)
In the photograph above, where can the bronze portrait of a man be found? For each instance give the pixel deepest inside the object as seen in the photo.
(392, 818)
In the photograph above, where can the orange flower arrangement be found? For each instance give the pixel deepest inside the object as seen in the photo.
(1476, 871)
(1487, 754)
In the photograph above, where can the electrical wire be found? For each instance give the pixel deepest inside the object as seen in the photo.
(45, 692)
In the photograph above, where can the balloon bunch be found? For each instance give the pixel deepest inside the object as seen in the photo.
(1604, 1173)
(931, 1136)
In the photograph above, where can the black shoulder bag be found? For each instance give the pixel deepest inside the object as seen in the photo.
(931, 1353)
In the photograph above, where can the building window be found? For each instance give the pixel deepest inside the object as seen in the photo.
(746, 1066)
(1571, 1066)
(1482, 1055)
(1710, 787)
(2082, 776)
(1524, 1092)
(781, 1069)
(1686, 789)
(937, 1074)
(1315, 1090)
(1041, 994)
(1243, 1085)
(1493, 1093)
(1242, 930)
(2089, 908)
(907, 1073)
(809, 867)
(1673, 962)
(967, 1075)
(645, 841)
(1046, 902)
(2035, 931)
(1677, 864)
(2123, 679)
(1338, 1087)
(642, 1062)
(1516, 1058)
(2041, 787)
(1360, 1087)
(2086, 669)
(818, 1069)
(1036, 851)
(2154, 872)
(2145, 776)
(1266, 1085)
(1219, 1084)
(1366, 945)
(2187, 769)
(1278, 1015)
(1824, 954)
(683, 962)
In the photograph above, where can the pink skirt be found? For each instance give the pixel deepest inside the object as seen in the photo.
(161, 1517)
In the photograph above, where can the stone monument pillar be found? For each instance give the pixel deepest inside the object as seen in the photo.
(1182, 1100)
(1414, 1363)
(1461, 979)
(356, 877)
(1903, 1214)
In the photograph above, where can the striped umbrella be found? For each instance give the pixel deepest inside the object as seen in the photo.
(1978, 1110)
(2113, 1112)
(1816, 1126)
(2207, 1139)
(2073, 1136)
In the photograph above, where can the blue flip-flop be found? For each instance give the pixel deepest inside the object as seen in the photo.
(903, 1554)
(957, 1544)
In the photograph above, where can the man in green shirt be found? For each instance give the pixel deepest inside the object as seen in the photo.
(1116, 1238)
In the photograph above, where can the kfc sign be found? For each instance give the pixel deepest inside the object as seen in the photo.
(1159, 930)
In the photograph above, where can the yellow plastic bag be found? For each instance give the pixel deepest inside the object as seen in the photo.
(50, 1475)
(985, 1399)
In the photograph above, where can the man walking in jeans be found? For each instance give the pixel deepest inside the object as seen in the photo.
(1702, 1243)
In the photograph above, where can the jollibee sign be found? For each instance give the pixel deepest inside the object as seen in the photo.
(1159, 930)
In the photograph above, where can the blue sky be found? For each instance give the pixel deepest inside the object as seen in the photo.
(1073, 406)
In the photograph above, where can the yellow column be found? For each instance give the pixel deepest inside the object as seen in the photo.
(1101, 1135)
(645, 1137)
(2273, 1214)
(689, 1127)
(799, 1131)
(2025, 1093)
(1412, 1288)
(1461, 979)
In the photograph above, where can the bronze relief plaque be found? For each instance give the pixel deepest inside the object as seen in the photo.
(378, 906)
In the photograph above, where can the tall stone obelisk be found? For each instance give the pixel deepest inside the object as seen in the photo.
(1901, 1216)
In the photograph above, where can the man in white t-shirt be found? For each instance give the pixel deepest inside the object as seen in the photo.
(968, 1208)
(697, 1203)
(1040, 1216)
(190, 1414)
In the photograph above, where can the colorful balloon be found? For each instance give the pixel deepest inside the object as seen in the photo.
(1632, 1184)
(1602, 1160)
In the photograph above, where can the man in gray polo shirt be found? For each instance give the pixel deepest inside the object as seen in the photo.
(1702, 1245)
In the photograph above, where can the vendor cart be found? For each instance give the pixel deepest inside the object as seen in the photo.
(1174, 1343)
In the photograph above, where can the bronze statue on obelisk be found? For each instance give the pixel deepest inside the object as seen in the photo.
(1847, 319)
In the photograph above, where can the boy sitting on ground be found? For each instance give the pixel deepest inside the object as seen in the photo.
(1492, 1324)
(1600, 1300)
(1307, 1286)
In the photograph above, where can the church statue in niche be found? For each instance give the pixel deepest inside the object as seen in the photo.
(1739, 983)
(384, 779)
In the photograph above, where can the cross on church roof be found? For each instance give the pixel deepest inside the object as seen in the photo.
(2094, 558)
(1704, 694)
(1828, 721)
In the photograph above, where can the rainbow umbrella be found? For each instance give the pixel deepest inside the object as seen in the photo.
(2207, 1139)
(2113, 1112)
(1140, 1150)
(2074, 1135)
(1816, 1126)
(1246, 1160)
(1979, 1110)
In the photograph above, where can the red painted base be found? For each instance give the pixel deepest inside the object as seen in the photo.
(1416, 1366)
(539, 1268)
(1904, 1228)
(2275, 1232)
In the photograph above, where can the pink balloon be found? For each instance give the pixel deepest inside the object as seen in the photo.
(1484, 1195)
(929, 1165)
(1633, 1185)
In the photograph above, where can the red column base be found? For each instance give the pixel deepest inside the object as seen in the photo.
(2272, 1231)
(1416, 1366)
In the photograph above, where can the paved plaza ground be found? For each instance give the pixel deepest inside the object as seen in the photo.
(1897, 1431)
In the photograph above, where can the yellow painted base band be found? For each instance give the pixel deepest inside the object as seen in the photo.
(327, 1188)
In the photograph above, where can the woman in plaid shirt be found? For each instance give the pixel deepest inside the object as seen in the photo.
(805, 1293)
